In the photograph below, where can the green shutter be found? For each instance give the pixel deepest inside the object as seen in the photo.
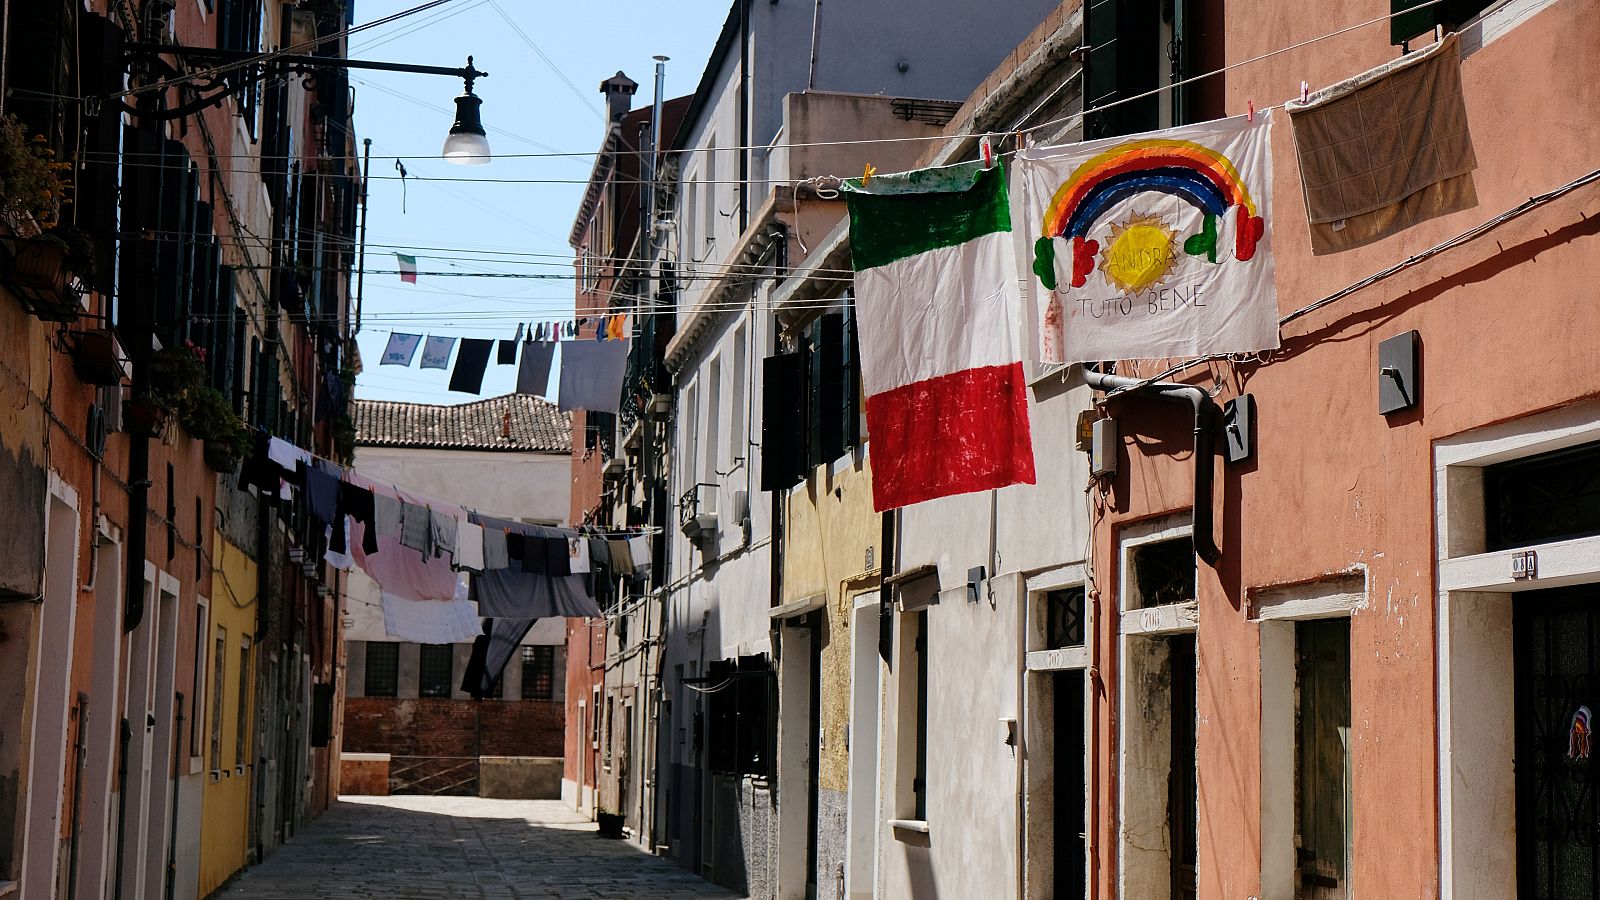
(782, 408)
(1405, 26)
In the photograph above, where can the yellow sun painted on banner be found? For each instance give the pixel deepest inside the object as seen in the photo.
(1139, 253)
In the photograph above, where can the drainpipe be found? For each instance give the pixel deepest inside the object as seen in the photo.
(1205, 545)
(124, 738)
(744, 115)
(172, 835)
(80, 756)
(361, 250)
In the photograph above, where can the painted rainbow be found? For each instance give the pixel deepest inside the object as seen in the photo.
(1191, 172)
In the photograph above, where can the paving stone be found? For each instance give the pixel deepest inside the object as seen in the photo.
(444, 848)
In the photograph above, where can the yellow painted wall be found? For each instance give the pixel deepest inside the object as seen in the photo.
(225, 806)
(829, 527)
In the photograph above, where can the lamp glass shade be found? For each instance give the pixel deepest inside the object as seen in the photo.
(466, 144)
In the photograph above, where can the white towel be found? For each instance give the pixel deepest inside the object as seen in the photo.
(639, 549)
(578, 550)
(430, 621)
(469, 547)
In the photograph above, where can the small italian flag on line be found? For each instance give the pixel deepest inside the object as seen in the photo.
(408, 268)
(936, 304)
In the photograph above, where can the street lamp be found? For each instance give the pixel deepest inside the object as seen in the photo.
(466, 144)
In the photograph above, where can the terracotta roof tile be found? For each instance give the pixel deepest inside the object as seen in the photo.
(536, 425)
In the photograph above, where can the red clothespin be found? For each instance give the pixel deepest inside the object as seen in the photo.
(867, 173)
(986, 152)
(1305, 91)
(1250, 111)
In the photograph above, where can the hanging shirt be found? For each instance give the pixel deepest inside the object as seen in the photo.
(339, 560)
(387, 515)
(416, 528)
(322, 491)
(621, 556)
(469, 547)
(495, 553)
(445, 524)
(356, 502)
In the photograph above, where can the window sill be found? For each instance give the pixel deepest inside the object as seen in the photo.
(908, 826)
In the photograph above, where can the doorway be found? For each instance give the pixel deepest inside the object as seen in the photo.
(1556, 641)
(1070, 879)
(1183, 787)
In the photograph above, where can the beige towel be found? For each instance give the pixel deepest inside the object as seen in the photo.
(1385, 150)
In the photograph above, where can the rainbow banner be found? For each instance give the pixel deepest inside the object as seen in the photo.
(1152, 245)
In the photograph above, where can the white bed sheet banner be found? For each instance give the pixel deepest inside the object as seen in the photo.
(1150, 246)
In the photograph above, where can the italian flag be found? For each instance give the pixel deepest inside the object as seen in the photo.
(408, 268)
(937, 299)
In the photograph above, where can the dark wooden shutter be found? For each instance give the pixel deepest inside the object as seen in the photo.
(782, 409)
(1404, 25)
(1124, 61)
(321, 715)
(94, 208)
(825, 415)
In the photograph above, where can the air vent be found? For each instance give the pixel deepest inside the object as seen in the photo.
(95, 431)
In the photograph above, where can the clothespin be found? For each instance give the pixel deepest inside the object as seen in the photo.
(1250, 111)
(867, 173)
(986, 152)
(1305, 91)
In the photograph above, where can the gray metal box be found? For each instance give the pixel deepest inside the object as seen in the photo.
(1103, 448)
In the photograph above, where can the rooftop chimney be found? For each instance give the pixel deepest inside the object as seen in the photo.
(619, 90)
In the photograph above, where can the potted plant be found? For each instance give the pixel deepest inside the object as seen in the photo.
(33, 184)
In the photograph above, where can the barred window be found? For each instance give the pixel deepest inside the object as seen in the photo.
(383, 668)
(538, 673)
(435, 670)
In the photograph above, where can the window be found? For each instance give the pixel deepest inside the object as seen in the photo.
(709, 197)
(913, 725)
(1538, 499)
(1064, 618)
(1406, 26)
(594, 736)
(202, 627)
(1137, 46)
(538, 673)
(219, 657)
(819, 387)
(434, 675)
(383, 669)
(1163, 573)
(736, 380)
(243, 725)
(709, 473)
(610, 711)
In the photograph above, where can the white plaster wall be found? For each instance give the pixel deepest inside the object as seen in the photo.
(972, 773)
(527, 486)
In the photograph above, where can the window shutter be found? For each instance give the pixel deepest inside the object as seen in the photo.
(321, 714)
(1404, 25)
(826, 413)
(95, 206)
(782, 408)
(1125, 57)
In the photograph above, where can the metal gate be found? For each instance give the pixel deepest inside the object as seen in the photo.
(1557, 656)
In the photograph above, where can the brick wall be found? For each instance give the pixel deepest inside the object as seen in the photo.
(446, 727)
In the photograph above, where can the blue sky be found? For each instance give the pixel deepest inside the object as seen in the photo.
(527, 108)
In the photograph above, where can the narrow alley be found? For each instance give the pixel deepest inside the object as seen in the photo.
(432, 848)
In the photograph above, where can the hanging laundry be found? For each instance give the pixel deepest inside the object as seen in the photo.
(533, 375)
(491, 651)
(1152, 245)
(558, 561)
(514, 593)
(430, 621)
(639, 551)
(618, 327)
(436, 353)
(416, 528)
(357, 503)
(386, 515)
(506, 353)
(467, 378)
(621, 556)
(445, 525)
(402, 348)
(322, 490)
(1368, 176)
(935, 273)
(578, 554)
(408, 268)
(286, 455)
(602, 330)
(469, 546)
(400, 571)
(592, 374)
(495, 552)
(339, 559)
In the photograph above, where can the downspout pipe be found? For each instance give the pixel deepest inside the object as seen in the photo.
(1205, 414)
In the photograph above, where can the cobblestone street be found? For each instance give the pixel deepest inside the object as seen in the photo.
(450, 847)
